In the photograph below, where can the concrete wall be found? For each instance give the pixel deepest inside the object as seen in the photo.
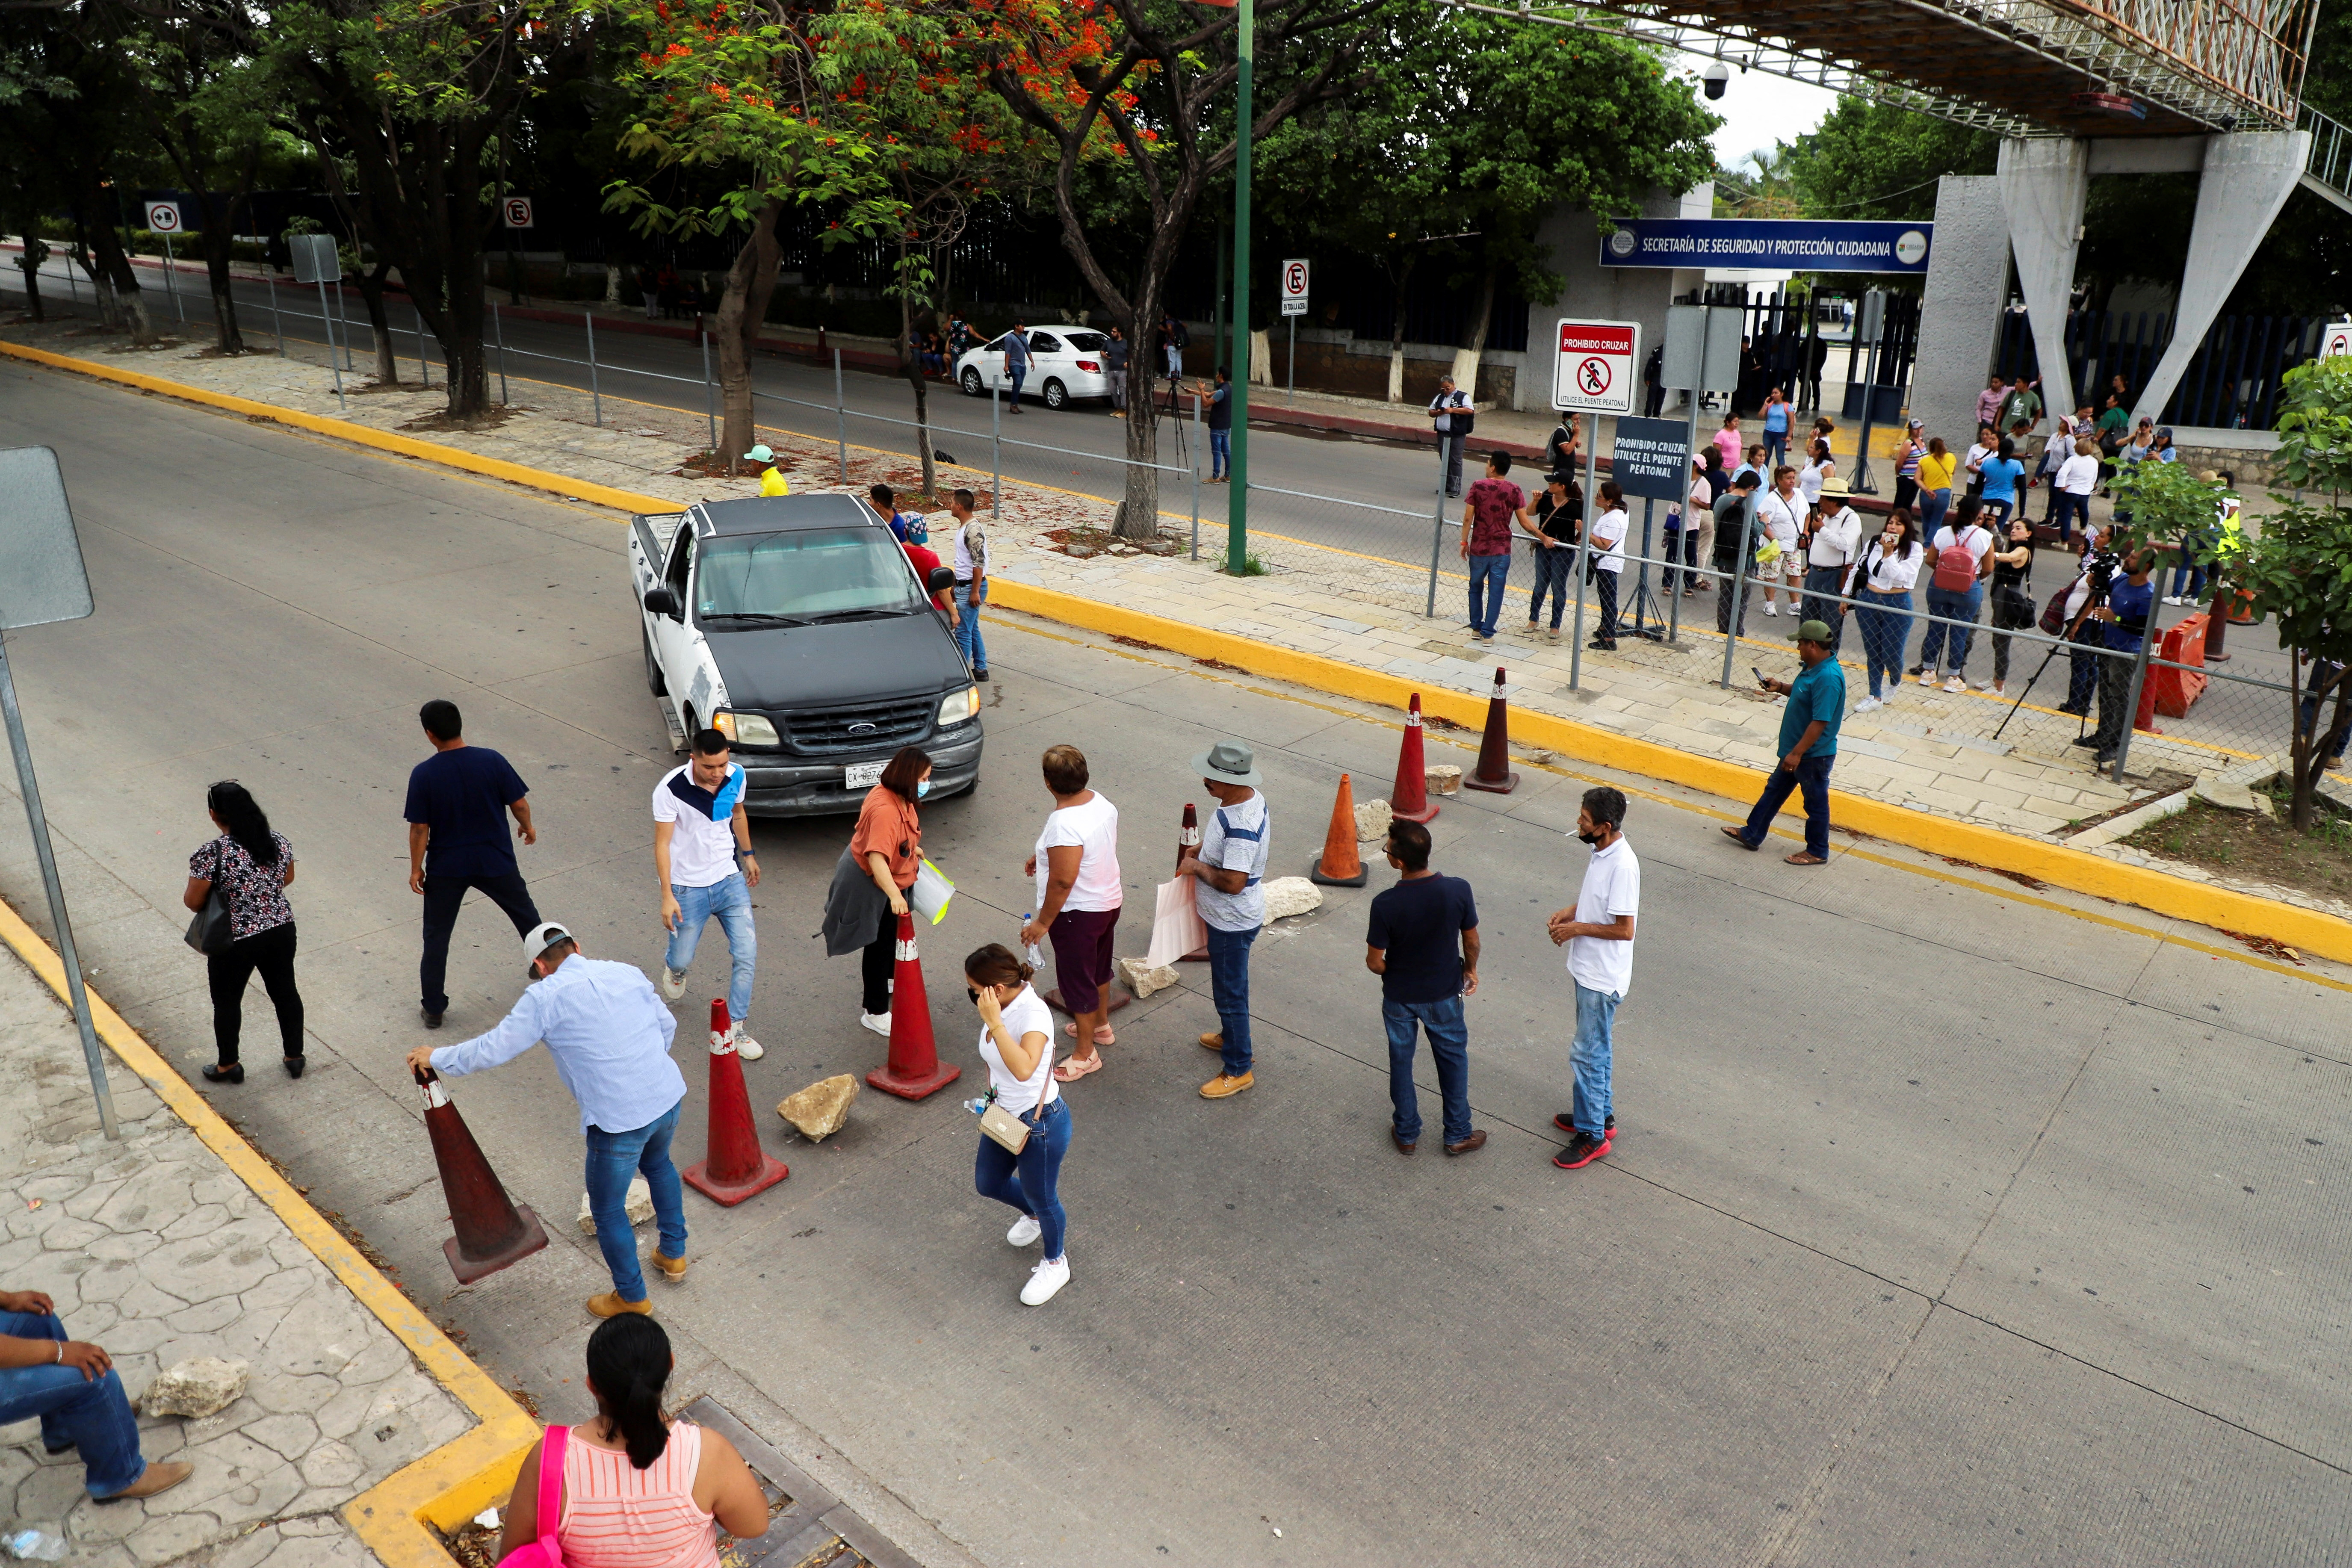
(1959, 322)
(1594, 292)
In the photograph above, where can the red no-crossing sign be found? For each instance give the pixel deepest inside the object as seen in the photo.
(1593, 369)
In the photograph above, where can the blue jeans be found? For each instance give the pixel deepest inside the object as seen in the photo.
(613, 1159)
(1812, 776)
(1956, 606)
(2066, 508)
(1933, 504)
(967, 632)
(92, 1414)
(1776, 450)
(730, 902)
(1822, 603)
(1017, 375)
(2187, 572)
(1229, 956)
(1885, 631)
(1589, 1060)
(1553, 569)
(1030, 1180)
(1221, 453)
(2315, 724)
(1487, 575)
(1449, 1050)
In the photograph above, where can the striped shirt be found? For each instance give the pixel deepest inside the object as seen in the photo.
(1236, 838)
(618, 1516)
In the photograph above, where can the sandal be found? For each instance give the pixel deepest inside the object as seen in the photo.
(1072, 1069)
(1103, 1036)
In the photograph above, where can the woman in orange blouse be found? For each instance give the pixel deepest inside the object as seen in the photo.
(888, 844)
(639, 1490)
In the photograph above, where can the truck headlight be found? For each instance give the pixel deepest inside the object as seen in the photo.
(956, 707)
(746, 729)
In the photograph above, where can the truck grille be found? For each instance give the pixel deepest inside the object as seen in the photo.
(865, 728)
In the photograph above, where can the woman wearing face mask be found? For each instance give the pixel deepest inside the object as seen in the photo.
(884, 854)
(1016, 1041)
(1887, 570)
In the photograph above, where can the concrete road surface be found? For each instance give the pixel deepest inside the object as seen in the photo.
(1947, 1224)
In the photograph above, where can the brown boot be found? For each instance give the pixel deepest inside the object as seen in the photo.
(1224, 1086)
(610, 1305)
(161, 1476)
(672, 1268)
(1215, 1042)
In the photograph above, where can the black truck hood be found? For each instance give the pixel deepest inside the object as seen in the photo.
(770, 669)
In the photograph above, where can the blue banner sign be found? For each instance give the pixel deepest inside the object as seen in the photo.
(1770, 245)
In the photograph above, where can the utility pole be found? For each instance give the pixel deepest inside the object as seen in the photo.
(1237, 468)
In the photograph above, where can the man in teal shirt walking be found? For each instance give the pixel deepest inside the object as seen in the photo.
(1809, 729)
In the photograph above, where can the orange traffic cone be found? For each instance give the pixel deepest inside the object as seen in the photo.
(735, 1166)
(1410, 797)
(493, 1230)
(1495, 775)
(1340, 865)
(914, 1069)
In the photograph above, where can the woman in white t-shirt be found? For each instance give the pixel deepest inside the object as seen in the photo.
(1818, 466)
(1889, 566)
(1606, 558)
(1956, 560)
(1699, 529)
(1078, 897)
(1780, 514)
(1016, 1041)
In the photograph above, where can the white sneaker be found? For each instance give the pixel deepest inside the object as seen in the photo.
(1771, 609)
(1992, 686)
(877, 1022)
(2173, 599)
(1868, 703)
(1024, 1230)
(1050, 1275)
(750, 1049)
(673, 983)
(1955, 684)
(1930, 676)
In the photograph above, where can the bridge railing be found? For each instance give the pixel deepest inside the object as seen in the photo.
(2329, 163)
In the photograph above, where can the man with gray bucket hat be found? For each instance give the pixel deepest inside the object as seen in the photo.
(1231, 866)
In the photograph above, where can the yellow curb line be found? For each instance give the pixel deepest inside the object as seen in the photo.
(2306, 930)
(447, 1487)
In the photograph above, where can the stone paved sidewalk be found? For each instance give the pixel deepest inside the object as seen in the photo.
(152, 1249)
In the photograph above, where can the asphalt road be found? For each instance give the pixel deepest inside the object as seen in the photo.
(1947, 1225)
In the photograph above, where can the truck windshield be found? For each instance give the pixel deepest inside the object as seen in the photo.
(818, 573)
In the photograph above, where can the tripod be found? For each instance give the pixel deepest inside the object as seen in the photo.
(1642, 598)
(2082, 719)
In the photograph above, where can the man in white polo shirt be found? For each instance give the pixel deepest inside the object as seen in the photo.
(1598, 932)
(699, 830)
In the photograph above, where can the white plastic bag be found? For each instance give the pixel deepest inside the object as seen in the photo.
(929, 895)
(1177, 928)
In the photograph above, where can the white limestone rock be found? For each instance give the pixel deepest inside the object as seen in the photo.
(200, 1386)
(820, 1110)
(639, 1203)
(1141, 978)
(1289, 896)
(1372, 819)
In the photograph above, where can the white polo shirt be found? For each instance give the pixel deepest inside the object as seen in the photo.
(702, 844)
(1612, 887)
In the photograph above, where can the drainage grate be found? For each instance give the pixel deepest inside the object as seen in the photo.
(812, 1528)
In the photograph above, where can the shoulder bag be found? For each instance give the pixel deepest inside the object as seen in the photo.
(1011, 1132)
(544, 1552)
(209, 932)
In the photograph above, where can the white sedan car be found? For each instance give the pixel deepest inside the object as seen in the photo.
(1065, 364)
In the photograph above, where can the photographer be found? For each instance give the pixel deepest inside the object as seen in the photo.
(2088, 590)
(2124, 620)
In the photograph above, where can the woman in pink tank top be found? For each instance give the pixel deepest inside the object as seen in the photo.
(639, 1490)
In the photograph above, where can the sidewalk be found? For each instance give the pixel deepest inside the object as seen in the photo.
(153, 1248)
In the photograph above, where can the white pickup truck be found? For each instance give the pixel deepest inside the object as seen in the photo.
(794, 625)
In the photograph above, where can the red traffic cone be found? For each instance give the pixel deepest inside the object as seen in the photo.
(1495, 775)
(1410, 797)
(1340, 865)
(735, 1166)
(1188, 842)
(915, 1069)
(493, 1230)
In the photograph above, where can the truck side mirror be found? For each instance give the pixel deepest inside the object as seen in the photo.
(661, 599)
(941, 580)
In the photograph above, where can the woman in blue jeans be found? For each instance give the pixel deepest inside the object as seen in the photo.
(75, 1391)
(1949, 603)
(1016, 1041)
(1888, 568)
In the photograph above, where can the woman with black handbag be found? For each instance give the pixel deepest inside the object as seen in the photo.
(1024, 1122)
(237, 885)
(2012, 600)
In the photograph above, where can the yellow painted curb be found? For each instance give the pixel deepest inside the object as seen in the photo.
(447, 1487)
(2306, 930)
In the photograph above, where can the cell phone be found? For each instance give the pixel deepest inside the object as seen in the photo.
(1759, 675)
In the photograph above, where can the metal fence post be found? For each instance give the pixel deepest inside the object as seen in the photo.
(329, 322)
(1436, 536)
(423, 364)
(995, 454)
(1576, 634)
(343, 316)
(709, 395)
(171, 281)
(498, 332)
(1737, 589)
(276, 329)
(595, 397)
(2138, 677)
(1194, 458)
(840, 419)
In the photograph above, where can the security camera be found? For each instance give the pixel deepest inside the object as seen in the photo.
(1715, 78)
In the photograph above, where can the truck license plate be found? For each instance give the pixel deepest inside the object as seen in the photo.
(862, 775)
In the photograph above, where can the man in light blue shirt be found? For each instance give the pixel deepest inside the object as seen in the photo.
(610, 1035)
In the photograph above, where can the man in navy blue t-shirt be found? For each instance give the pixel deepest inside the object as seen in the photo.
(458, 802)
(1423, 944)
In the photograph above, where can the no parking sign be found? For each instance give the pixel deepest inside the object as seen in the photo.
(1594, 370)
(163, 217)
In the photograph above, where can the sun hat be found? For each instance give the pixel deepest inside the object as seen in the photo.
(1228, 761)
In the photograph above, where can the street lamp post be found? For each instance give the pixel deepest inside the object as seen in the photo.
(1237, 463)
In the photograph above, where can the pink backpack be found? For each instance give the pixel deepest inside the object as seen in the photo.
(544, 1552)
(1955, 565)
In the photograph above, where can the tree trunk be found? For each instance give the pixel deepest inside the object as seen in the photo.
(1396, 329)
(910, 365)
(388, 362)
(34, 254)
(2308, 749)
(461, 281)
(215, 237)
(123, 283)
(742, 305)
(1139, 510)
(1465, 358)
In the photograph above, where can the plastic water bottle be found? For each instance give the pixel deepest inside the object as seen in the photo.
(36, 1546)
(976, 1106)
(1035, 954)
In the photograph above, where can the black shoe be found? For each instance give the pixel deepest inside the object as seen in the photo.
(2101, 759)
(980, 675)
(2086, 740)
(233, 1073)
(2081, 713)
(1606, 645)
(1582, 1150)
(432, 1019)
(294, 1066)
(1917, 670)
(1565, 1122)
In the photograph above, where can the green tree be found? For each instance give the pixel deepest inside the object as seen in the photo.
(1874, 160)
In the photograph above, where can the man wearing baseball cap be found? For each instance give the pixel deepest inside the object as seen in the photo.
(610, 1035)
(771, 478)
(1807, 744)
(1230, 864)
